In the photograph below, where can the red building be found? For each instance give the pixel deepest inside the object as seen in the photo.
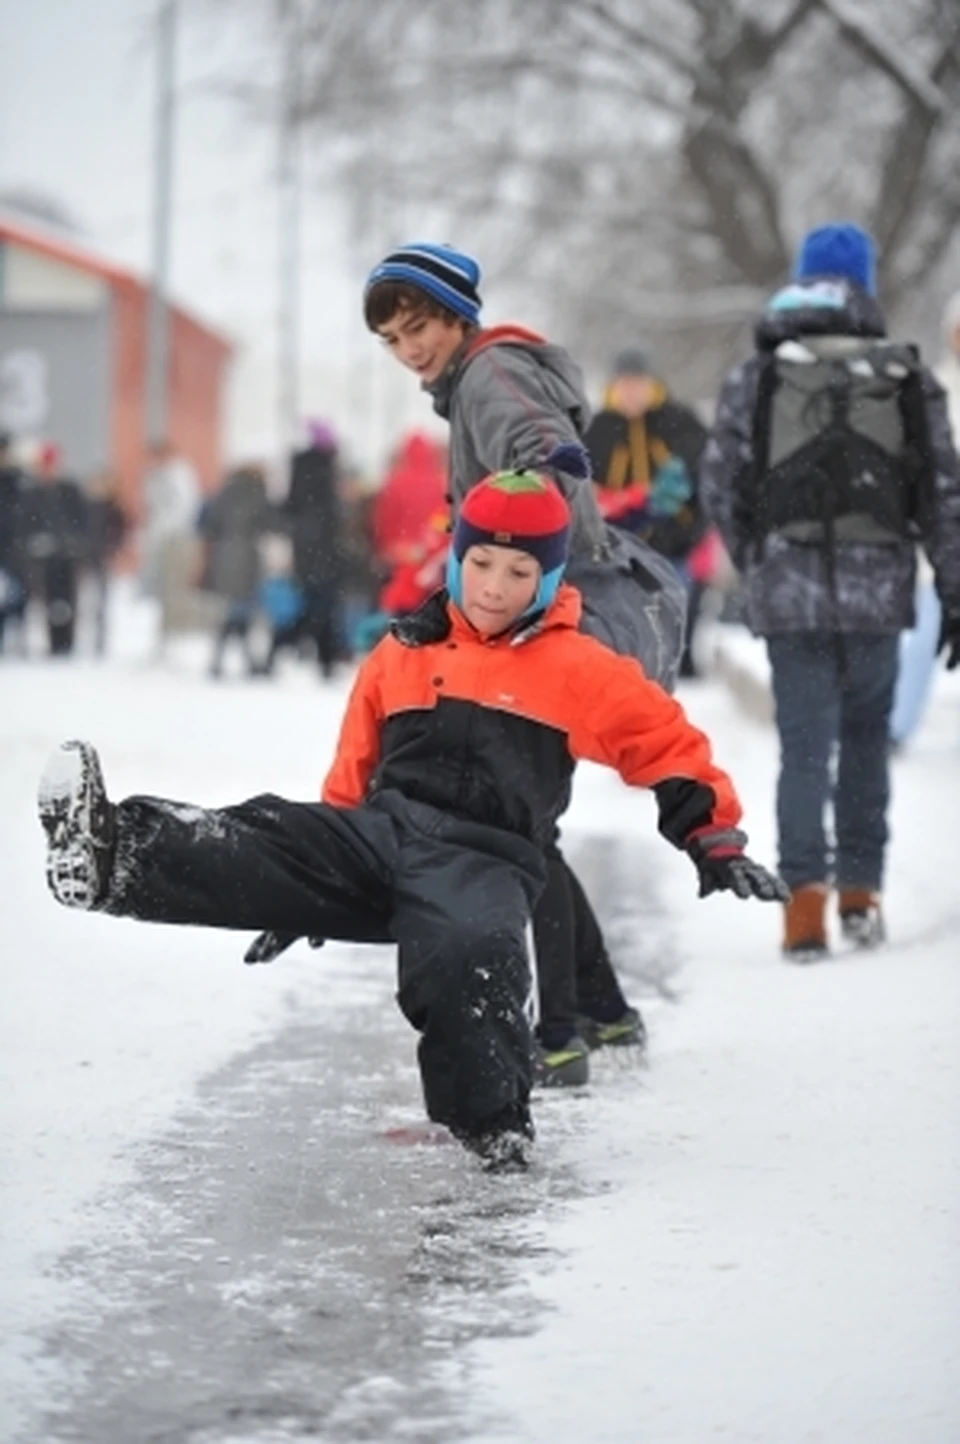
(73, 333)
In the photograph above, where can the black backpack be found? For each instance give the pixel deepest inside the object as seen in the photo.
(841, 446)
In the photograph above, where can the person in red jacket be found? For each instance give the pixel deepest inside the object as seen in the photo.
(453, 764)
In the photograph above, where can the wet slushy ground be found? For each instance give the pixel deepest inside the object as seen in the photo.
(282, 1267)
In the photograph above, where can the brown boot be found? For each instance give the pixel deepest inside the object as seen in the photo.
(861, 917)
(805, 922)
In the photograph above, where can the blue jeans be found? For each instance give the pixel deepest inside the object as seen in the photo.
(833, 702)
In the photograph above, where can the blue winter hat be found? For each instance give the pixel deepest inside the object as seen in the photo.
(842, 249)
(450, 277)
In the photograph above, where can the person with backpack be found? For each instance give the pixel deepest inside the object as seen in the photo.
(513, 399)
(452, 765)
(829, 460)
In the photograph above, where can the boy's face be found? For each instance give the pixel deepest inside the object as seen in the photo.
(499, 583)
(421, 342)
(633, 395)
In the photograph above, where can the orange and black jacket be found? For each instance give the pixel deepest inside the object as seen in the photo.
(490, 730)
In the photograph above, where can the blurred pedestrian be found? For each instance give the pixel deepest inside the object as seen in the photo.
(313, 512)
(107, 529)
(645, 450)
(279, 599)
(55, 530)
(13, 570)
(918, 647)
(171, 504)
(232, 525)
(830, 457)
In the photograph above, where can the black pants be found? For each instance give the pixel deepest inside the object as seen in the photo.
(455, 896)
(60, 594)
(574, 973)
(322, 621)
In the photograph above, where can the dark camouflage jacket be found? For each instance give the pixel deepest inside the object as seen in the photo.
(787, 585)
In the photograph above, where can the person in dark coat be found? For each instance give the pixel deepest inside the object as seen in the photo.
(107, 529)
(233, 524)
(55, 531)
(13, 581)
(832, 588)
(312, 510)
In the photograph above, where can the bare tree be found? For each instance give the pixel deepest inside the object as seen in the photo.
(642, 165)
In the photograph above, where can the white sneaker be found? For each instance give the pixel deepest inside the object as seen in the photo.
(78, 820)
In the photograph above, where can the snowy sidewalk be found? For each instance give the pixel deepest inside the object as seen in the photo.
(756, 1239)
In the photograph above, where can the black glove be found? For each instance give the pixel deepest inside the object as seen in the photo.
(270, 945)
(950, 639)
(725, 867)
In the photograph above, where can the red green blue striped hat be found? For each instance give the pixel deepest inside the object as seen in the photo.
(518, 509)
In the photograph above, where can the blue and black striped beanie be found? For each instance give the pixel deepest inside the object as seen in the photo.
(450, 277)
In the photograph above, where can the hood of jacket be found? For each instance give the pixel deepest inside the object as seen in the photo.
(818, 307)
(551, 358)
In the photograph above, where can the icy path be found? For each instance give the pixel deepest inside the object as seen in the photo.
(756, 1239)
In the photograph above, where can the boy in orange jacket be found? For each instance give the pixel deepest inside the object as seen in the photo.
(453, 764)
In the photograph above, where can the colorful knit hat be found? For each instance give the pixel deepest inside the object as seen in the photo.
(838, 250)
(514, 509)
(450, 277)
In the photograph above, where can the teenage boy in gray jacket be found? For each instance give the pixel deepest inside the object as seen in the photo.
(513, 400)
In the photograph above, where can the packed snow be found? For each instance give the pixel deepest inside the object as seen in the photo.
(760, 1239)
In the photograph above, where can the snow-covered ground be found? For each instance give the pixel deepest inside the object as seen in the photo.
(761, 1241)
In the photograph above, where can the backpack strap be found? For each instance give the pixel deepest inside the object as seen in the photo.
(920, 471)
(755, 484)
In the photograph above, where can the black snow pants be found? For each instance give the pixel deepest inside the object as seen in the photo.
(454, 895)
(574, 972)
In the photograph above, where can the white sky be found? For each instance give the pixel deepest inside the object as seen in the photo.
(76, 111)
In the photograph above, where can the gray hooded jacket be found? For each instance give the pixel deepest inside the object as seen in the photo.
(787, 583)
(511, 399)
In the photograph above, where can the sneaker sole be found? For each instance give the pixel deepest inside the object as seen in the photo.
(65, 804)
(568, 1071)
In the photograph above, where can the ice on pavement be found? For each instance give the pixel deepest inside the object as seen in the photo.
(757, 1238)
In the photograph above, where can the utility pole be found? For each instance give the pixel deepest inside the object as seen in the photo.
(288, 239)
(158, 319)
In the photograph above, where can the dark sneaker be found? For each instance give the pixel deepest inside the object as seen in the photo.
(566, 1067)
(628, 1031)
(79, 823)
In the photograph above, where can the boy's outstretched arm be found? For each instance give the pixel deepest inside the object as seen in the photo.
(625, 721)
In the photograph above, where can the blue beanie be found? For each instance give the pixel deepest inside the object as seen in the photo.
(838, 250)
(450, 277)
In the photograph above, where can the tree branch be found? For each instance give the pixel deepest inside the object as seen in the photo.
(640, 40)
(902, 170)
(882, 55)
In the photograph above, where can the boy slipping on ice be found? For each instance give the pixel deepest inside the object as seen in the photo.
(453, 763)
